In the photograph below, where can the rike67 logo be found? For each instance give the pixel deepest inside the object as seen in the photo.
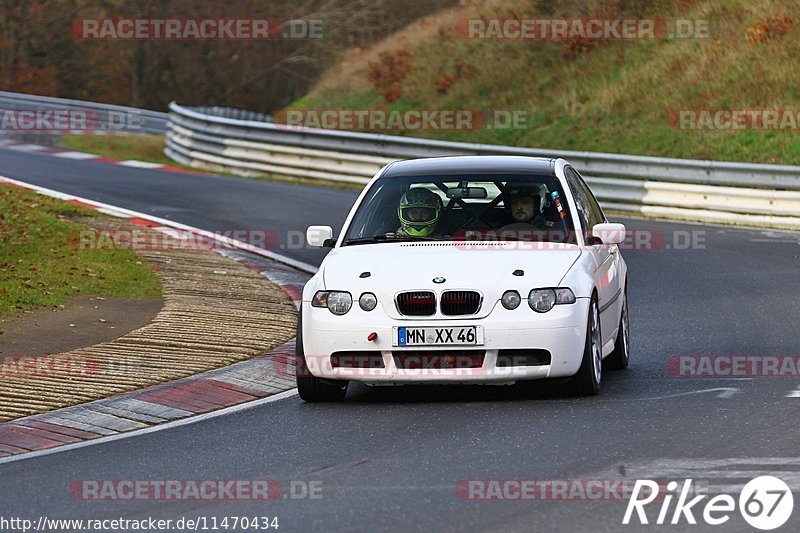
(765, 503)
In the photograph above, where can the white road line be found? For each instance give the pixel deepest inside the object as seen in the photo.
(140, 164)
(75, 155)
(29, 147)
(794, 393)
(161, 427)
(724, 392)
(699, 463)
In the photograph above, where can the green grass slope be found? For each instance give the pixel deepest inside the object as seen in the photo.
(612, 96)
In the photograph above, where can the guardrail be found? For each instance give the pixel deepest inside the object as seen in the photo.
(101, 117)
(705, 191)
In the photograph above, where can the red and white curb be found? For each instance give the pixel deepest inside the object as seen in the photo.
(85, 156)
(238, 386)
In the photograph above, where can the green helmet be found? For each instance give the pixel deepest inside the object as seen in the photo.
(419, 212)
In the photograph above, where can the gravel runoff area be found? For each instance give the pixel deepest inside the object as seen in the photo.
(216, 312)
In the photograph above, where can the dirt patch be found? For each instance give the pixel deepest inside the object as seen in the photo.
(84, 321)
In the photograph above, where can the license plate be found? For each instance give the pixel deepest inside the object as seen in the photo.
(435, 336)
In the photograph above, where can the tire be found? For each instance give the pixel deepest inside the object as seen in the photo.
(311, 388)
(587, 381)
(620, 357)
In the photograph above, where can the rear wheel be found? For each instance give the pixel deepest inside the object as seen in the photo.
(587, 380)
(620, 357)
(312, 388)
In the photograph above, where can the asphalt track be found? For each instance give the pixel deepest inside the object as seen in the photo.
(391, 458)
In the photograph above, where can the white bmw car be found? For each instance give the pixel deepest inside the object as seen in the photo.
(472, 269)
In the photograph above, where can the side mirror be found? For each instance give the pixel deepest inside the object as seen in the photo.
(319, 236)
(609, 233)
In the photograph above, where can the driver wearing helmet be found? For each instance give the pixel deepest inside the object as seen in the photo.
(419, 212)
(525, 207)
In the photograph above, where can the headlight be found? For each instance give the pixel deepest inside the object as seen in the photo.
(511, 299)
(368, 301)
(337, 302)
(542, 300)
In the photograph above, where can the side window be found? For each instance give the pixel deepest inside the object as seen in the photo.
(595, 211)
(581, 199)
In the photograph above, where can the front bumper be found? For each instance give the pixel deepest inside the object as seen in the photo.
(561, 332)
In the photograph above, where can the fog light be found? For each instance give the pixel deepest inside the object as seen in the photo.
(368, 301)
(511, 299)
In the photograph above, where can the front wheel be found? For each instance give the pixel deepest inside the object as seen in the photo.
(620, 357)
(312, 388)
(587, 380)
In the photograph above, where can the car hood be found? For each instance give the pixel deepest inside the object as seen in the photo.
(487, 268)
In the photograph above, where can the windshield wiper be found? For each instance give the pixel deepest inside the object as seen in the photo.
(386, 237)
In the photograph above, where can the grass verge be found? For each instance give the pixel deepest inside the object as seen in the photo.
(42, 264)
(148, 148)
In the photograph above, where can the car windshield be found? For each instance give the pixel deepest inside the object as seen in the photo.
(463, 208)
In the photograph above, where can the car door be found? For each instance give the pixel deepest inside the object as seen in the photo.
(607, 278)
